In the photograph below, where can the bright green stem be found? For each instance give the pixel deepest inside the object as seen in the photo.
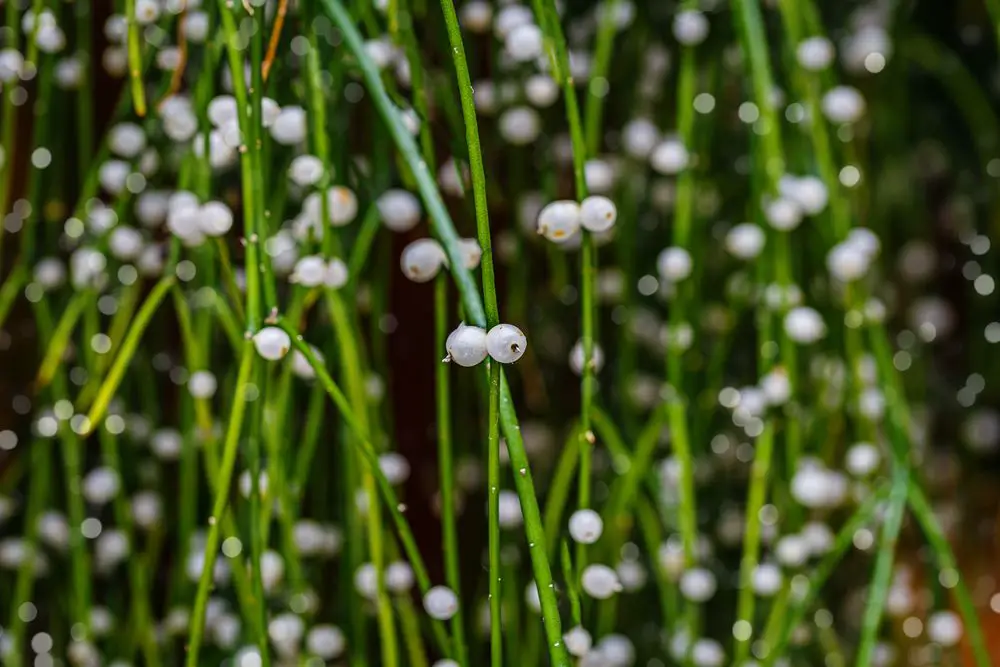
(475, 163)
(61, 336)
(559, 488)
(449, 531)
(493, 482)
(224, 479)
(247, 164)
(882, 576)
(474, 310)
(135, 60)
(256, 538)
(117, 372)
(751, 540)
(602, 62)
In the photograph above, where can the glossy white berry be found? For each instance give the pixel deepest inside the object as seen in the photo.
(639, 137)
(847, 262)
(669, 157)
(817, 487)
(126, 140)
(578, 641)
(843, 104)
(541, 90)
(804, 325)
(783, 214)
(509, 18)
(305, 170)
(814, 53)
(202, 384)
(598, 213)
(309, 271)
(791, 551)
(809, 192)
(617, 650)
(559, 220)
(599, 581)
(326, 641)
(289, 127)
(50, 272)
(336, 274)
(101, 485)
(215, 218)
(125, 243)
(506, 343)
(524, 43)
(599, 175)
(698, 584)
(272, 343)
(863, 459)
(422, 259)
(520, 125)
(441, 603)
(399, 209)
(690, 27)
(471, 253)
(399, 578)
(510, 510)
(674, 264)
(776, 386)
(586, 526)
(466, 345)
(707, 653)
(395, 467)
(476, 16)
(745, 241)
(301, 366)
(766, 579)
(944, 627)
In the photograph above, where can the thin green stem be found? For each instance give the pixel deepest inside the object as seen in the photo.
(224, 479)
(129, 346)
(449, 531)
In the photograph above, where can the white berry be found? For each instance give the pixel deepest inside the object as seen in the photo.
(466, 345)
(586, 526)
(598, 214)
(506, 343)
(272, 343)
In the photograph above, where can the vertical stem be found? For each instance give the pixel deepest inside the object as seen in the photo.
(224, 480)
(445, 467)
(492, 318)
(493, 474)
(134, 60)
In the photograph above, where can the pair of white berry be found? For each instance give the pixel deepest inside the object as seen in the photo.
(561, 220)
(469, 345)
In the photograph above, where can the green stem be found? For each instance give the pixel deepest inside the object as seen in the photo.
(474, 310)
(449, 531)
(114, 378)
(220, 503)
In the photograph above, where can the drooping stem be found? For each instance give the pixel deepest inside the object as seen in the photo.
(474, 311)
